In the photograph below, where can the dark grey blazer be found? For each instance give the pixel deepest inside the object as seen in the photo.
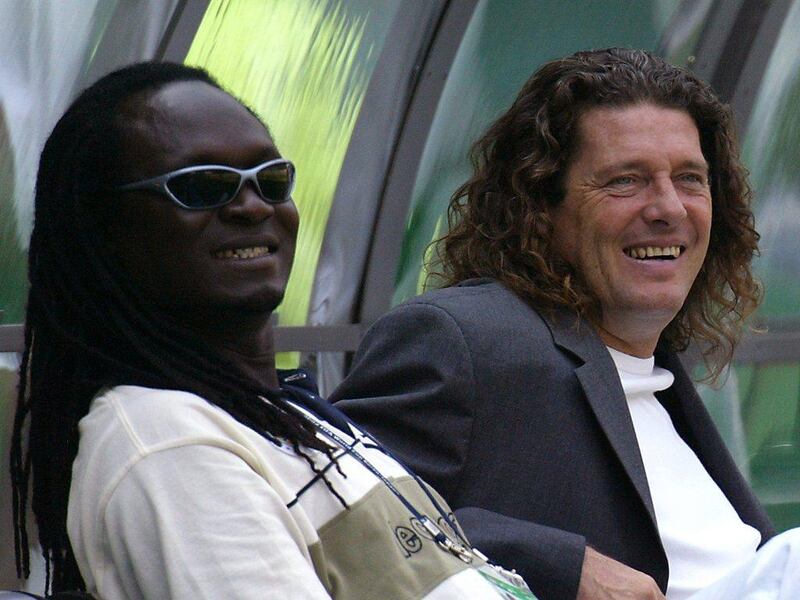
(521, 423)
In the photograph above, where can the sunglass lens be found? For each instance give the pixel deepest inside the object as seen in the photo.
(204, 189)
(276, 182)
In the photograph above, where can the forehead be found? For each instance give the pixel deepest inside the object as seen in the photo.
(189, 122)
(638, 132)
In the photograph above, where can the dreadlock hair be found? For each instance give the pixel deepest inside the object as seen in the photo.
(499, 221)
(86, 328)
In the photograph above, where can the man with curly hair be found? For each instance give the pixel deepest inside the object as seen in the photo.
(606, 226)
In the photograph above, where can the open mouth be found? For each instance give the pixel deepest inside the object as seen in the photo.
(244, 253)
(654, 252)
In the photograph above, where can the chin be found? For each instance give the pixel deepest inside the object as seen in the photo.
(262, 304)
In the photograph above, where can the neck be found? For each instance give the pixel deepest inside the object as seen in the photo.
(245, 340)
(639, 342)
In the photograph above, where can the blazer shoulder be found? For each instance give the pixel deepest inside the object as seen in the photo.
(477, 301)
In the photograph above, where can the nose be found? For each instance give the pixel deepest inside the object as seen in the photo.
(665, 206)
(247, 206)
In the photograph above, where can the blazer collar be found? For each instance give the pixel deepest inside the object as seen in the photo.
(598, 376)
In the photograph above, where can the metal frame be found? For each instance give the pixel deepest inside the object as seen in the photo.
(715, 35)
(303, 339)
(349, 234)
(737, 76)
(762, 43)
(373, 143)
(113, 49)
(181, 30)
(769, 348)
(12, 338)
(734, 46)
(387, 239)
(737, 47)
(781, 346)
(681, 27)
(732, 54)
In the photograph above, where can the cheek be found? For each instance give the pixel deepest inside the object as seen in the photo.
(582, 241)
(151, 249)
(565, 234)
(705, 222)
(700, 219)
(289, 218)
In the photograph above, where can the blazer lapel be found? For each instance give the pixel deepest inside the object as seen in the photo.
(598, 377)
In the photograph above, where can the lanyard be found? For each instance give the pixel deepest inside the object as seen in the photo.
(462, 551)
(509, 583)
(324, 413)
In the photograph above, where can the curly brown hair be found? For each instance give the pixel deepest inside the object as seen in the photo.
(498, 220)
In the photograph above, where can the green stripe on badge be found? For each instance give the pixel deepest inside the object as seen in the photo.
(509, 591)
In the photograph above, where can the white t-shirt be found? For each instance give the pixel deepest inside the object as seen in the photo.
(173, 498)
(702, 534)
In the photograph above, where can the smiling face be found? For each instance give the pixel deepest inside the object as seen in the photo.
(636, 218)
(235, 257)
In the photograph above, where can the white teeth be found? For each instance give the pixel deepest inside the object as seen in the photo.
(243, 253)
(652, 251)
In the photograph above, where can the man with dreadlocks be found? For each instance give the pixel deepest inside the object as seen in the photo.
(166, 455)
(606, 224)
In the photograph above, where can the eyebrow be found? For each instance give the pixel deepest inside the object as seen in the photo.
(640, 164)
(694, 164)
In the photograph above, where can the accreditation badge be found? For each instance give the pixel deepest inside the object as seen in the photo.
(509, 585)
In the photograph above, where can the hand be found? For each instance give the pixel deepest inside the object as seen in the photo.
(603, 578)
